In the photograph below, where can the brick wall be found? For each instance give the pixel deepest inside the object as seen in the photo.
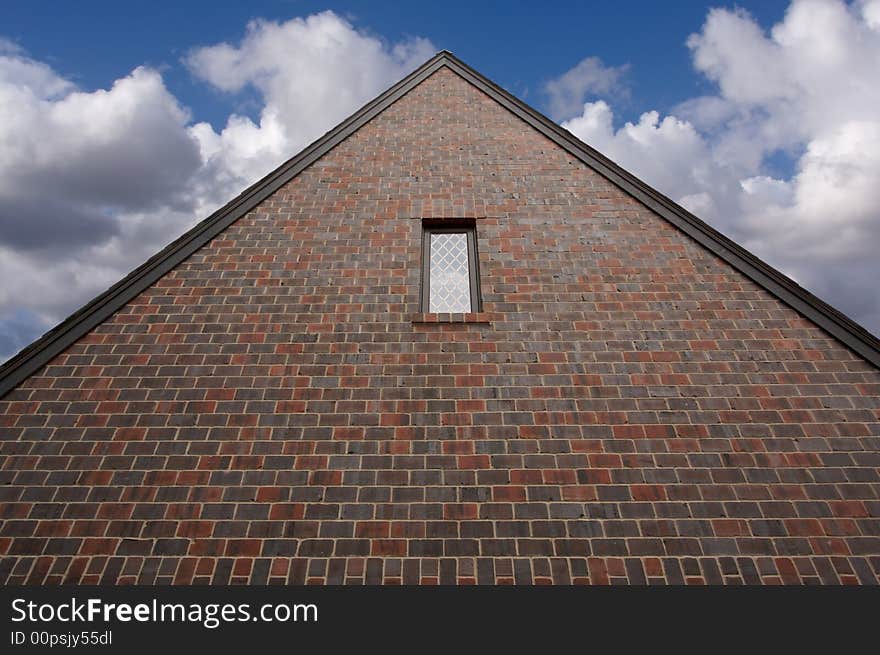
(628, 408)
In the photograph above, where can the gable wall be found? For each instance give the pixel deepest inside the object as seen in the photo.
(274, 410)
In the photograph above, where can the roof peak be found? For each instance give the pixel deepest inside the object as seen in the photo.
(53, 342)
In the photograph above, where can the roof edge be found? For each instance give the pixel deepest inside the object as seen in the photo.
(44, 349)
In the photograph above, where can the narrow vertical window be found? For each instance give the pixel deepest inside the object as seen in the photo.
(450, 279)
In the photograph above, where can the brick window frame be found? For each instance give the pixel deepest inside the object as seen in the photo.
(430, 228)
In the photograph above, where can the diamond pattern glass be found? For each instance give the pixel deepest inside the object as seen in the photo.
(450, 278)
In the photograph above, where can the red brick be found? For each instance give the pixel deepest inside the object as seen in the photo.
(282, 383)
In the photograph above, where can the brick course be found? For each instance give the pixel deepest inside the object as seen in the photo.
(627, 408)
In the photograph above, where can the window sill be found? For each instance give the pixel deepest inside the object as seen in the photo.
(479, 318)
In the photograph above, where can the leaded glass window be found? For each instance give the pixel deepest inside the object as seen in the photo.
(450, 280)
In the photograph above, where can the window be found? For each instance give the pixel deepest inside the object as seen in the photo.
(450, 279)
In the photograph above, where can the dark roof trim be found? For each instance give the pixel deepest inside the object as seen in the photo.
(53, 342)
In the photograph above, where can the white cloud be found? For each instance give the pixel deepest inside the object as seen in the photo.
(92, 183)
(310, 73)
(590, 76)
(100, 147)
(73, 165)
(686, 165)
(871, 13)
(808, 87)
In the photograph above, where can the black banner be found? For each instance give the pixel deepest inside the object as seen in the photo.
(229, 619)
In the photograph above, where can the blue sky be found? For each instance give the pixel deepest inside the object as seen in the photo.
(519, 47)
(763, 118)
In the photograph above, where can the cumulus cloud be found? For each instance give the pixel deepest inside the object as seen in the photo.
(310, 74)
(566, 93)
(806, 89)
(93, 182)
(78, 170)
